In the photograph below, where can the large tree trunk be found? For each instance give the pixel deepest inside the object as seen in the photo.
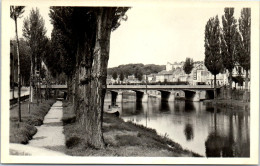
(31, 89)
(230, 85)
(76, 83)
(215, 89)
(13, 73)
(246, 81)
(246, 87)
(94, 101)
(69, 88)
(19, 74)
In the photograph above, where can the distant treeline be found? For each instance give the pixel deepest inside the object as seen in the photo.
(131, 69)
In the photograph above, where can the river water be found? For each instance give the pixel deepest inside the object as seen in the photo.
(196, 126)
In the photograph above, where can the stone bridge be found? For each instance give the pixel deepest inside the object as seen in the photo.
(167, 92)
(143, 92)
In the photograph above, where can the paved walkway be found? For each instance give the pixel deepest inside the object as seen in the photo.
(49, 137)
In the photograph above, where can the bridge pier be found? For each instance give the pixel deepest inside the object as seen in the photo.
(141, 96)
(119, 97)
(108, 97)
(171, 96)
(196, 96)
(145, 98)
(167, 96)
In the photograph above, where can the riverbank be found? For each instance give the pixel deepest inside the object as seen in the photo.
(229, 104)
(121, 138)
(23, 132)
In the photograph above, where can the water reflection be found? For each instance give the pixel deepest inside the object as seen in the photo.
(228, 144)
(188, 131)
(201, 128)
(139, 107)
(164, 107)
(189, 106)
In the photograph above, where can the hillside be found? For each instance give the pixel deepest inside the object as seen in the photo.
(130, 69)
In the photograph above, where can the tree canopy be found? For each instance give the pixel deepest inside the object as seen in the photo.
(16, 11)
(229, 39)
(244, 44)
(188, 65)
(213, 59)
(114, 75)
(244, 41)
(34, 32)
(121, 76)
(138, 74)
(130, 69)
(25, 59)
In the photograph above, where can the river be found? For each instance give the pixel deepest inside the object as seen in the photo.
(196, 126)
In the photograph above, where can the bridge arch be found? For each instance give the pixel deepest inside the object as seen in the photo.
(191, 95)
(167, 96)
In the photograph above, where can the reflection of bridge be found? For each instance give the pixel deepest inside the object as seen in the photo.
(166, 92)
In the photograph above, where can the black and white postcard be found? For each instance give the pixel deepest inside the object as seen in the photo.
(130, 82)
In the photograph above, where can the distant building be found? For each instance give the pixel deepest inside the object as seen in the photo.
(173, 66)
(198, 75)
(151, 77)
(164, 76)
(132, 80)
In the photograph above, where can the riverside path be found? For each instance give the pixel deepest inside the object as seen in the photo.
(49, 139)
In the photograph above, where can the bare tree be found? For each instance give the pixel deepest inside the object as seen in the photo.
(16, 12)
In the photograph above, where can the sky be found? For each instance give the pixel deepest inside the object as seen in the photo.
(152, 35)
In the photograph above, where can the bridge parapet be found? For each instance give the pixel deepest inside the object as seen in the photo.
(54, 86)
(158, 87)
(142, 87)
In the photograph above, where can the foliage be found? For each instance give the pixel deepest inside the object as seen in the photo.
(244, 38)
(138, 74)
(25, 59)
(238, 79)
(66, 34)
(43, 73)
(213, 59)
(188, 65)
(244, 43)
(34, 33)
(114, 75)
(23, 132)
(130, 69)
(121, 76)
(229, 40)
(16, 11)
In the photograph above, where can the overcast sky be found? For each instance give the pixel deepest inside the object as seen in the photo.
(153, 35)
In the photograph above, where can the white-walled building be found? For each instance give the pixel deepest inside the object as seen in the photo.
(173, 66)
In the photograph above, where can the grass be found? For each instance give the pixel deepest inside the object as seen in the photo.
(22, 132)
(121, 139)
